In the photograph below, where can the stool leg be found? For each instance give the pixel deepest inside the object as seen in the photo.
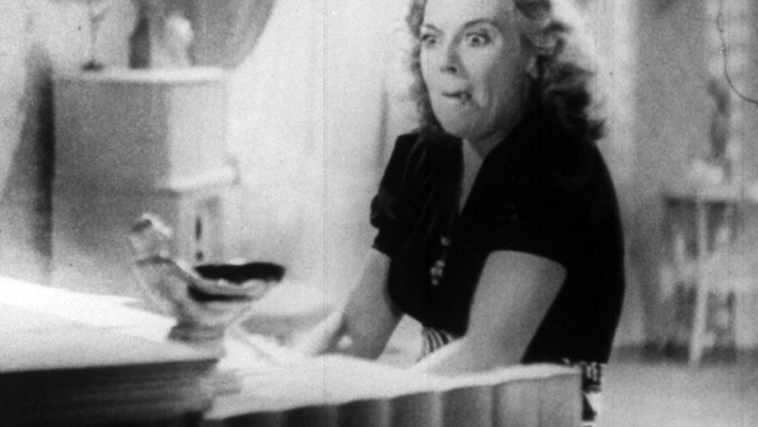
(701, 290)
(698, 326)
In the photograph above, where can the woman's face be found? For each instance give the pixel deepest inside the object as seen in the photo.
(473, 65)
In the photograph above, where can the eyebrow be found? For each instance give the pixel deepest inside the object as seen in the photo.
(467, 25)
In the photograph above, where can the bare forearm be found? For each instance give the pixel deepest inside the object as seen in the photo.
(512, 297)
(467, 356)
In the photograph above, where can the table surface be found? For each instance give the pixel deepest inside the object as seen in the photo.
(255, 375)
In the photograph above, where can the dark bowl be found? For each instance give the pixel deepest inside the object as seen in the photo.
(234, 282)
(241, 273)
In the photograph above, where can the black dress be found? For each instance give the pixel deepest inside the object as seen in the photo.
(536, 192)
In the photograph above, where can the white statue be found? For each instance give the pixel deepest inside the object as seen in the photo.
(161, 38)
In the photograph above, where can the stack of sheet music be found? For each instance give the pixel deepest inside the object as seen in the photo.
(55, 371)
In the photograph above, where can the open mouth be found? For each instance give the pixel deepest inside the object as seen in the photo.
(459, 95)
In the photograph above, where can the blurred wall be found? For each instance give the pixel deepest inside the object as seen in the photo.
(308, 125)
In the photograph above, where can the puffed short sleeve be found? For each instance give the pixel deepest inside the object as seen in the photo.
(388, 205)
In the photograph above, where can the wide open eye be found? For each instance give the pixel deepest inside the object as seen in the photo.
(477, 38)
(428, 40)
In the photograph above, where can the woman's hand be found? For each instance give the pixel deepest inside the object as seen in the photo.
(513, 295)
(364, 324)
(321, 339)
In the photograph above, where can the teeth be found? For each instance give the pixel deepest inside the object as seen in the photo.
(463, 96)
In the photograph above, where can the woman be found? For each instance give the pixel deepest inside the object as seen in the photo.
(498, 226)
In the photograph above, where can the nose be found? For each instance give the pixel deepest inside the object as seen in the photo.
(450, 61)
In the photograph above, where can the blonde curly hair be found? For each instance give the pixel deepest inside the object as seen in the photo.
(562, 71)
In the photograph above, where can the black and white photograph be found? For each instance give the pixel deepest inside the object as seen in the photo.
(362, 213)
